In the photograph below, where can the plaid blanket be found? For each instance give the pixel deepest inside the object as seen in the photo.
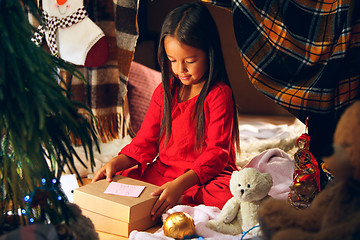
(106, 89)
(304, 55)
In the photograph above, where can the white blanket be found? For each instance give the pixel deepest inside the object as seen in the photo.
(257, 136)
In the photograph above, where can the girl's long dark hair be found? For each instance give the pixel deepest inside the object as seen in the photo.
(193, 25)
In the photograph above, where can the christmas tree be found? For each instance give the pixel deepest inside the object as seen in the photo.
(38, 123)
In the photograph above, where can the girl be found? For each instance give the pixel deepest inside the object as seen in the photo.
(191, 126)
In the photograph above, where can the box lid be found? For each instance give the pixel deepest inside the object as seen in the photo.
(127, 209)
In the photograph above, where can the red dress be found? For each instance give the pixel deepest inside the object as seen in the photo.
(213, 165)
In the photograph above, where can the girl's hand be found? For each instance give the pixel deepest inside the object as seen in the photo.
(118, 163)
(108, 170)
(170, 195)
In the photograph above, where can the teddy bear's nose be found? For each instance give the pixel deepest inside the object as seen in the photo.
(242, 191)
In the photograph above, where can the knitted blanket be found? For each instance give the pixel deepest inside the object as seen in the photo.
(105, 90)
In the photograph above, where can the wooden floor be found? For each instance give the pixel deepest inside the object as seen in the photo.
(276, 120)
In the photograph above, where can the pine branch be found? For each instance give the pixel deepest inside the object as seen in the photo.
(36, 122)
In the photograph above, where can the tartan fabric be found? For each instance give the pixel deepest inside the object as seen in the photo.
(303, 54)
(53, 23)
(106, 89)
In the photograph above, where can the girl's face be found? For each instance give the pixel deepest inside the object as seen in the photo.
(188, 64)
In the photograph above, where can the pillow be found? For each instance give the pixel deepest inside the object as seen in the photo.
(142, 82)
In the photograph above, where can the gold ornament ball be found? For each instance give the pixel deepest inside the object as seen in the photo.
(178, 225)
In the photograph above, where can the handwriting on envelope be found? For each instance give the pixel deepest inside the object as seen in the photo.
(124, 189)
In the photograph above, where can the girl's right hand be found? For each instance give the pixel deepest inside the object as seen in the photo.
(107, 171)
(118, 163)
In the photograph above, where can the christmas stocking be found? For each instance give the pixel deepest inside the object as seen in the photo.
(70, 33)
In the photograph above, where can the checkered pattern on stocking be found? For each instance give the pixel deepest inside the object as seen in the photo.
(52, 23)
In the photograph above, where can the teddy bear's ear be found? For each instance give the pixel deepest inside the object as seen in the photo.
(268, 178)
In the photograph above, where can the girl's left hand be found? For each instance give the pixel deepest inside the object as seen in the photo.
(170, 194)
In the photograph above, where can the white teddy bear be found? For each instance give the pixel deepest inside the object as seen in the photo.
(249, 188)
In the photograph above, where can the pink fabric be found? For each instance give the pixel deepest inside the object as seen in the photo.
(281, 167)
(142, 83)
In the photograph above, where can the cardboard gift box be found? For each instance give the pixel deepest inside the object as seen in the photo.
(113, 213)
